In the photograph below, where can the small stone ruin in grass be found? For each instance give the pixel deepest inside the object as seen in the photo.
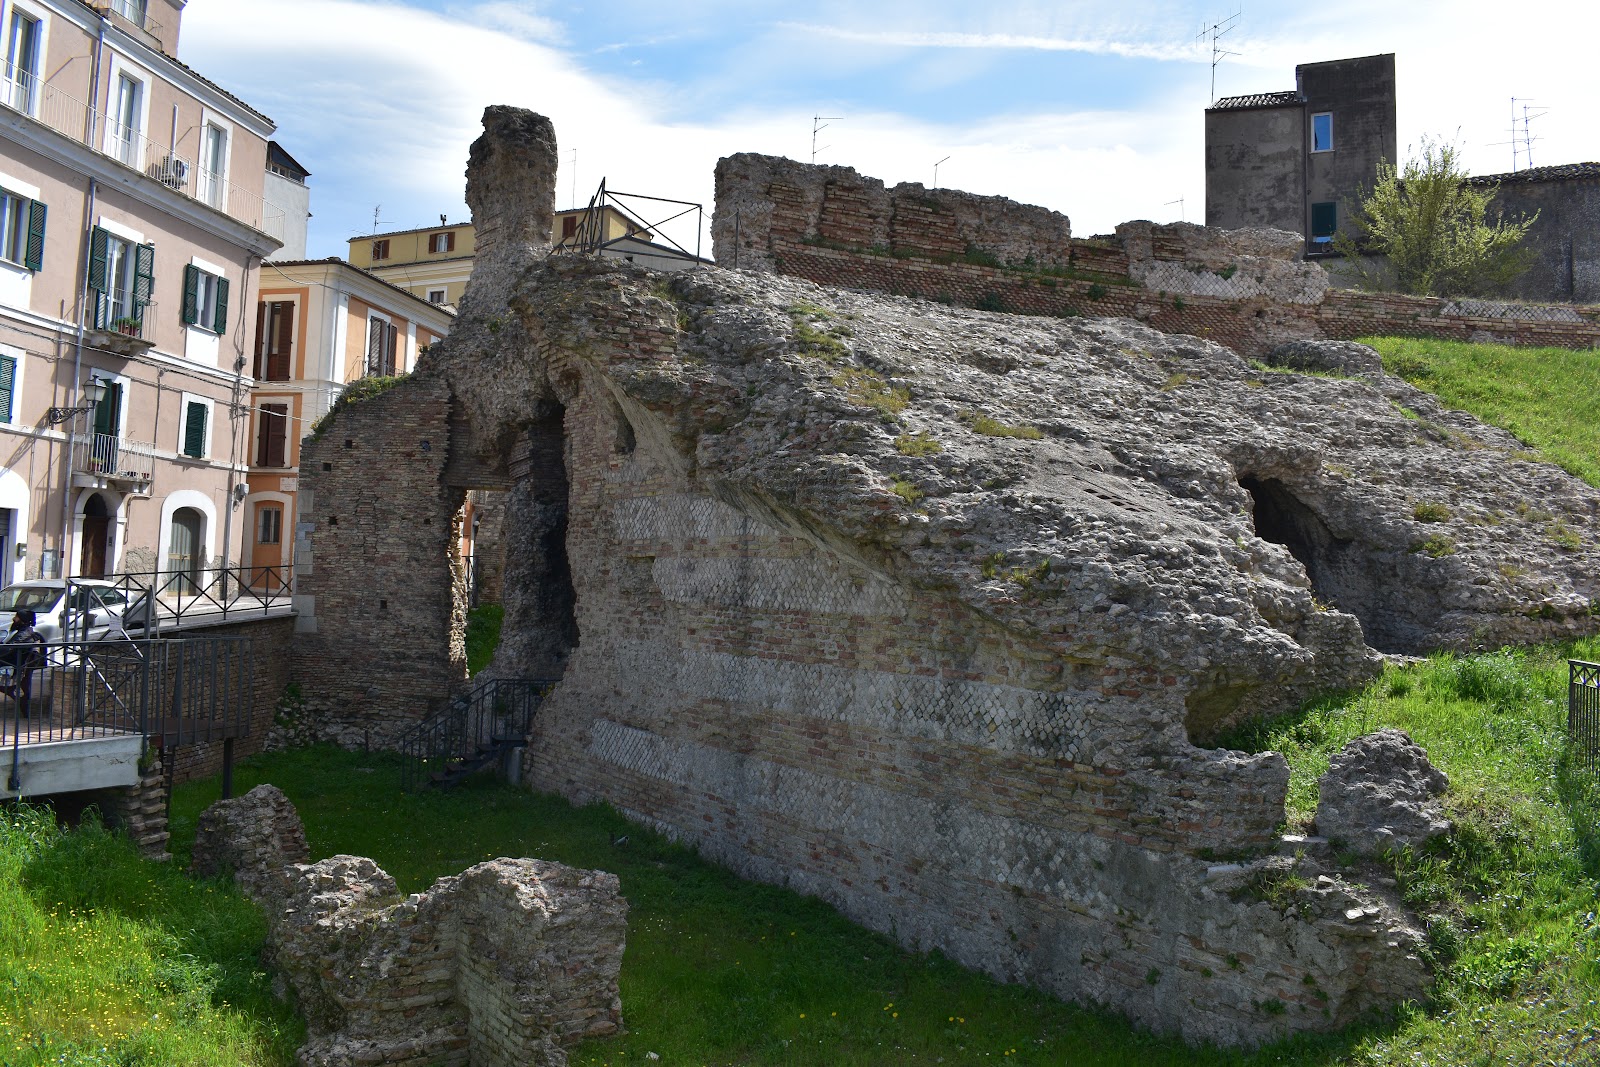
(507, 963)
(1380, 794)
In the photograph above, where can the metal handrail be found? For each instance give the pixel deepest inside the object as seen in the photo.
(1583, 712)
(154, 600)
(172, 691)
(494, 716)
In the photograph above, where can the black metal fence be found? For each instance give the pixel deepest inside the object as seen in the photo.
(1583, 712)
(143, 603)
(476, 728)
(173, 691)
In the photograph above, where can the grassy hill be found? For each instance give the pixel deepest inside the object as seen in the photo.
(107, 959)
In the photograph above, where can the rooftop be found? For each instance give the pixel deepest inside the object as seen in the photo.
(1286, 98)
(1558, 173)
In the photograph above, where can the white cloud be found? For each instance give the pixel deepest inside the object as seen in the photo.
(382, 99)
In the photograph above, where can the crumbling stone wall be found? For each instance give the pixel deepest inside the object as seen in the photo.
(1248, 289)
(931, 612)
(504, 965)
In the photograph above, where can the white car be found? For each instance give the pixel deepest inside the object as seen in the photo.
(104, 601)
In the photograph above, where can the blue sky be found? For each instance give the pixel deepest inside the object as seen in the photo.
(1093, 109)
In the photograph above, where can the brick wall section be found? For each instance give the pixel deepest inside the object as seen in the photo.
(833, 227)
(376, 647)
(271, 640)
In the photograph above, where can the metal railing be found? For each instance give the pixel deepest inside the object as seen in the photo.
(109, 456)
(173, 691)
(67, 115)
(143, 604)
(473, 730)
(1583, 713)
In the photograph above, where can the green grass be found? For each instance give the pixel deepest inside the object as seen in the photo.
(992, 427)
(109, 959)
(483, 635)
(1548, 397)
(1510, 899)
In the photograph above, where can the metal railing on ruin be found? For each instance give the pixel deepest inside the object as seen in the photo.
(592, 235)
(475, 730)
(1583, 713)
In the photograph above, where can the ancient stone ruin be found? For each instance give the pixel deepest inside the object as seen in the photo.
(931, 612)
(503, 965)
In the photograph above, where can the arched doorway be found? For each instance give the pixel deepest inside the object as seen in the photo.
(96, 534)
(184, 551)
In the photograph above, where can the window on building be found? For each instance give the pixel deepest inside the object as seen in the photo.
(275, 340)
(8, 385)
(269, 526)
(122, 278)
(213, 164)
(21, 230)
(272, 435)
(383, 340)
(435, 296)
(1324, 223)
(195, 417)
(132, 10)
(205, 300)
(380, 249)
(442, 242)
(22, 62)
(1322, 132)
(125, 131)
(569, 227)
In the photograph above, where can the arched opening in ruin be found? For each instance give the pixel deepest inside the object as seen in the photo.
(540, 629)
(1345, 573)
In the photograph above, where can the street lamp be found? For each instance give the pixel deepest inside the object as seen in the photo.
(94, 391)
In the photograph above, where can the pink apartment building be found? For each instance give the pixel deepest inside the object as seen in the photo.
(132, 233)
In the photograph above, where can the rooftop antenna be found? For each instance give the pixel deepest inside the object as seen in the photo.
(574, 177)
(946, 159)
(1528, 115)
(377, 210)
(1179, 202)
(1216, 31)
(818, 124)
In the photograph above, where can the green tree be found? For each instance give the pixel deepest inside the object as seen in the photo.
(1431, 232)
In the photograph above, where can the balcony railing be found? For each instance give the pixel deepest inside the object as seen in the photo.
(104, 455)
(73, 118)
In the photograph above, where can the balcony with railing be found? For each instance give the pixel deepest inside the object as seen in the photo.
(102, 459)
(44, 103)
(133, 15)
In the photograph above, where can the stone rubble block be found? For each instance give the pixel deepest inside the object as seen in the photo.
(1380, 794)
(504, 965)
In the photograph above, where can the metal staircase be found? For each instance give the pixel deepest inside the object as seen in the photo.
(474, 731)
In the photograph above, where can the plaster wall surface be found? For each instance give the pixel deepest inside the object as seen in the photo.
(1255, 167)
(1565, 239)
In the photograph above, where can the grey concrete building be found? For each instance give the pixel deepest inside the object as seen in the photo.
(1566, 236)
(1301, 158)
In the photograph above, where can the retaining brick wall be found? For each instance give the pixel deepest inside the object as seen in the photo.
(836, 228)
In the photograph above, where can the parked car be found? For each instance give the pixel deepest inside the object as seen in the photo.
(104, 602)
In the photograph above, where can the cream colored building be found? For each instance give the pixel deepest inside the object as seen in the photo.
(320, 324)
(132, 228)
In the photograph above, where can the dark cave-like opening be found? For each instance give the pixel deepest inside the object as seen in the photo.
(1345, 573)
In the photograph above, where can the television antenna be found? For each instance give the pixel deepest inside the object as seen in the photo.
(574, 200)
(1179, 202)
(818, 124)
(1216, 31)
(377, 212)
(1528, 115)
(946, 159)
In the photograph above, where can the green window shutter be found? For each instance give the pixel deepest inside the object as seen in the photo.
(220, 322)
(107, 413)
(194, 431)
(8, 379)
(191, 294)
(144, 277)
(33, 259)
(98, 242)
